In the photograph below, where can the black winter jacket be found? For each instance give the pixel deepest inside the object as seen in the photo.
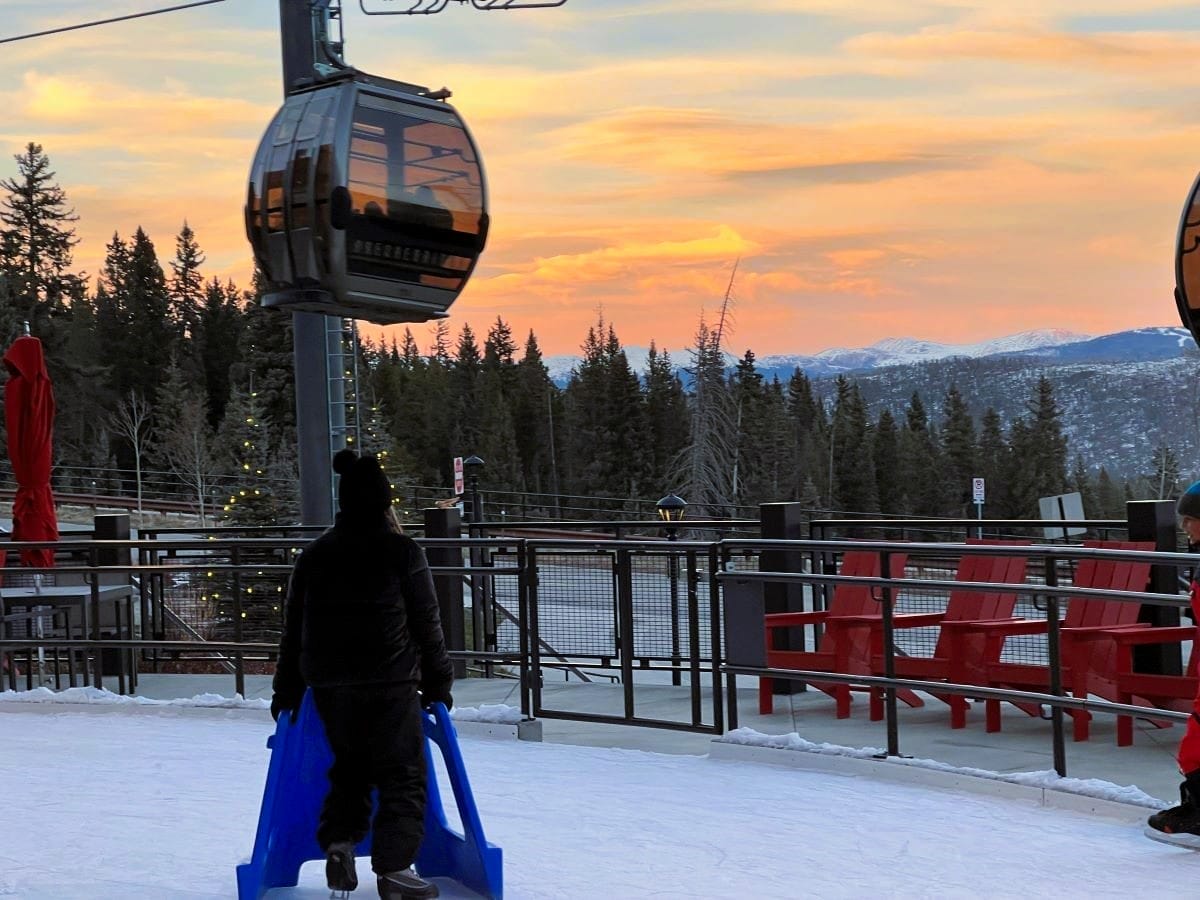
(361, 610)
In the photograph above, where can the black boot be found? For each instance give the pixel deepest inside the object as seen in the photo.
(340, 873)
(1179, 824)
(405, 884)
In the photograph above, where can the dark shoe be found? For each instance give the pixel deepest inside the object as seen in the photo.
(1178, 825)
(340, 874)
(405, 885)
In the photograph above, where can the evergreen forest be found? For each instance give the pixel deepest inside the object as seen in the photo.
(173, 382)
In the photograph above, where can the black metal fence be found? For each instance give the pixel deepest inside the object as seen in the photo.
(629, 616)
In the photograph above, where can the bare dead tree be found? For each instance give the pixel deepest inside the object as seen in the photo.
(705, 467)
(132, 421)
(188, 446)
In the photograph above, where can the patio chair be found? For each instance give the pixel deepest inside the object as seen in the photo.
(836, 650)
(957, 657)
(1088, 651)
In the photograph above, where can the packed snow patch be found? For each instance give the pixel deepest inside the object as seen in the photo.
(1084, 787)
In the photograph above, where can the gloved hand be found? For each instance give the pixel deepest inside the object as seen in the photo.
(436, 693)
(281, 703)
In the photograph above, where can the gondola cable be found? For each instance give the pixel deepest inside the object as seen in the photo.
(141, 15)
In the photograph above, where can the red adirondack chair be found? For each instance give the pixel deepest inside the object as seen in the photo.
(954, 658)
(1088, 651)
(1145, 689)
(837, 651)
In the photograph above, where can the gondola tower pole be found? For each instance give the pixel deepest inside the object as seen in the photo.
(311, 359)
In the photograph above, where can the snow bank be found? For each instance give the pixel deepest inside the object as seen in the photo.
(492, 713)
(1084, 787)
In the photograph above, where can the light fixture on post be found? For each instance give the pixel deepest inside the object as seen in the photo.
(670, 509)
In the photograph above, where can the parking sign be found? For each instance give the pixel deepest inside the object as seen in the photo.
(977, 489)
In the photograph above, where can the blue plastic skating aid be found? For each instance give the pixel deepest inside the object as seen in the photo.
(297, 782)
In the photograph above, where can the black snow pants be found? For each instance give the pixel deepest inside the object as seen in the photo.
(377, 741)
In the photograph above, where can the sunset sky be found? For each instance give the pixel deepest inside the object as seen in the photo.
(952, 171)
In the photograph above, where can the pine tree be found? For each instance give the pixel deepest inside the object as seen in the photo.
(133, 311)
(810, 432)
(746, 389)
(993, 463)
(37, 240)
(81, 389)
(705, 465)
(1049, 442)
(266, 366)
(958, 440)
(666, 415)
(604, 412)
(537, 407)
(498, 437)
(853, 465)
(775, 475)
(1082, 482)
(886, 455)
(245, 441)
(219, 334)
(921, 462)
(1111, 496)
(466, 397)
(187, 297)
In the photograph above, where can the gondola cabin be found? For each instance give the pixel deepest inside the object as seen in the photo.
(1187, 263)
(366, 200)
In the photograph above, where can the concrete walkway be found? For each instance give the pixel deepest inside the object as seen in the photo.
(1024, 744)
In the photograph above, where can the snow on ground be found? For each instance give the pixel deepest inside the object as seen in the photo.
(115, 801)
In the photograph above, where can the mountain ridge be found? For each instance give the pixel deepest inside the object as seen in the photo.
(1049, 344)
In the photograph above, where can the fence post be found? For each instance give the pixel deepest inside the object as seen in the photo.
(783, 521)
(1154, 520)
(115, 527)
(447, 523)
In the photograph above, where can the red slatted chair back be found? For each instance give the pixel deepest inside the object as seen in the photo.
(1095, 612)
(856, 599)
(970, 606)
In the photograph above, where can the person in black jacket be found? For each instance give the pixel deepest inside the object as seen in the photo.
(362, 630)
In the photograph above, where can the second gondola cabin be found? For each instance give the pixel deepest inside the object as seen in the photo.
(366, 200)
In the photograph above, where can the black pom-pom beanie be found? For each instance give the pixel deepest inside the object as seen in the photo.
(363, 488)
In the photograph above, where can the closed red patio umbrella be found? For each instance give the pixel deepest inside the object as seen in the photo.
(29, 418)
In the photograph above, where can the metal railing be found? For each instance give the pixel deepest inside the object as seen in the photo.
(620, 616)
(888, 588)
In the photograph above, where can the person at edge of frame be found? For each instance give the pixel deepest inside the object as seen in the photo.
(1181, 824)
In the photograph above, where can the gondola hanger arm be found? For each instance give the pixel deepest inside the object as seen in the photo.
(430, 7)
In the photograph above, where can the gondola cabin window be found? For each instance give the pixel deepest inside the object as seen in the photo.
(415, 194)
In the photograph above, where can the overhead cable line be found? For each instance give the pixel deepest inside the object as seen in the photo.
(152, 12)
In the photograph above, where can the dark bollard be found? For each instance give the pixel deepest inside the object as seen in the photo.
(447, 523)
(1154, 520)
(783, 521)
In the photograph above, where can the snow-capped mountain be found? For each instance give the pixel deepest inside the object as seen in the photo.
(904, 351)
(1049, 344)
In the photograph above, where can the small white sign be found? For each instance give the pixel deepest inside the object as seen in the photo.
(458, 476)
(977, 489)
(1062, 506)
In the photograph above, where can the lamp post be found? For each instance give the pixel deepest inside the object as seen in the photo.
(482, 615)
(472, 466)
(670, 510)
